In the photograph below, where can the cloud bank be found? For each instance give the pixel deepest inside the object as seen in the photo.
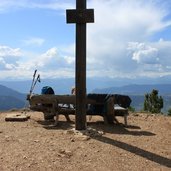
(119, 43)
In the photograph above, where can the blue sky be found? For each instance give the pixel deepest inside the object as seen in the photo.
(129, 39)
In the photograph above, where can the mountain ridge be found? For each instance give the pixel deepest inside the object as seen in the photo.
(63, 85)
(135, 89)
(10, 98)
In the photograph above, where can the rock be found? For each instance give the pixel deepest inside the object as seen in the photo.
(24, 157)
(65, 153)
(36, 141)
(16, 117)
(93, 132)
(82, 137)
(72, 140)
(71, 131)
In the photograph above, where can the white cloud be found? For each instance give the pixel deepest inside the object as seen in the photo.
(116, 24)
(55, 5)
(109, 51)
(8, 5)
(6, 51)
(8, 57)
(143, 54)
(14, 63)
(152, 58)
(34, 41)
(52, 60)
(49, 63)
(5, 66)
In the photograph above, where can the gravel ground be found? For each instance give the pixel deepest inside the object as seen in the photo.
(36, 145)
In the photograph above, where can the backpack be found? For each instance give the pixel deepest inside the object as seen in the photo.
(47, 90)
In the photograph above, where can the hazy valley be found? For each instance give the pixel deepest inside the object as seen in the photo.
(13, 93)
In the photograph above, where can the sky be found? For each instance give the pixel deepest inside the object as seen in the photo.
(129, 39)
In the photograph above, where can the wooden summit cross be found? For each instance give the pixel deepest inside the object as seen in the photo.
(80, 16)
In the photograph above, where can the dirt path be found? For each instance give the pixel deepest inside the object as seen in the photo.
(35, 145)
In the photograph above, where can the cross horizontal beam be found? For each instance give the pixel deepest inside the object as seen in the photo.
(80, 16)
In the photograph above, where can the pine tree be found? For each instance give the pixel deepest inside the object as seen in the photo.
(152, 102)
(169, 112)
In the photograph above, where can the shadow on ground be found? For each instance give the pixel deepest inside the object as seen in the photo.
(115, 129)
(61, 124)
(136, 150)
(120, 129)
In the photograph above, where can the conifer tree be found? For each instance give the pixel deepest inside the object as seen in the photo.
(152, 102)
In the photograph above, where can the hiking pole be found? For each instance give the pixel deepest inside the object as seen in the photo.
(37, 80)
(34, 75)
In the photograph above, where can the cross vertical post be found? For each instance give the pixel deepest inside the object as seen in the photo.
(81, 71)
(80, 16)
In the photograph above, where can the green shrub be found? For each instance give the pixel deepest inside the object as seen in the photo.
(169, 112)
(131, 109)
(152, 102)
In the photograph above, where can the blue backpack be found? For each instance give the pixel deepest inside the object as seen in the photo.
(47, 90)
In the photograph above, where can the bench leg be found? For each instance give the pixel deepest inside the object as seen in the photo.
(125, 119)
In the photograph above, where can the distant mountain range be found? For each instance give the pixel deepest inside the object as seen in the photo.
(137, 92)
(134, 89)
(63, 85)
(12, 98)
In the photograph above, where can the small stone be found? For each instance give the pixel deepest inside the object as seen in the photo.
(68, 153)
(61, 151)
(82, 137)
(69, 132)
(72, 140)
(24, 157)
